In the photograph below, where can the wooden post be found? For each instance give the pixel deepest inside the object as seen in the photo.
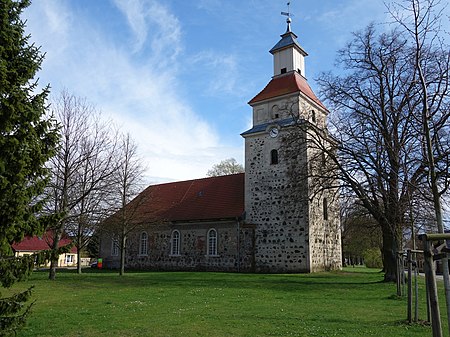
(432, 288)
(427, 294)
(412, 258)
(399, 275)
(409, 261)
(416, 291)
(446, 276)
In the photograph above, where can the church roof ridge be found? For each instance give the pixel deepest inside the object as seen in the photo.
(196, 199)
(192, 180)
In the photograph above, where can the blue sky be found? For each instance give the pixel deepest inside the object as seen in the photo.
(177, 74)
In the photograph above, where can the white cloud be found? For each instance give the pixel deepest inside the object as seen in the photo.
(223, 70)
(136, 18)
(137, 93)
(148, 19)
(337, 18)
(55, 31)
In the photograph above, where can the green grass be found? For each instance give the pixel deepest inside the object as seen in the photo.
(353, 302)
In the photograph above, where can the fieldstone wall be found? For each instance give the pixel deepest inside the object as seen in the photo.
(324, 215)
(291, 233)
(325, 235)
(276, 206)
(234, 248)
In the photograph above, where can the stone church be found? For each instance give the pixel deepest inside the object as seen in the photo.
(263, 220)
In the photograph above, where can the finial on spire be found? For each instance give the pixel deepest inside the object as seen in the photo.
(288, 20)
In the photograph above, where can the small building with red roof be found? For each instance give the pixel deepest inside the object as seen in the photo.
(35, 244)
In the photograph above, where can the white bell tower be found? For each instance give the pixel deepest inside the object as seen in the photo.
(288, 55)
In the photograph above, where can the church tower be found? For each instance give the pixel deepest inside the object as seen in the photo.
(294, 231)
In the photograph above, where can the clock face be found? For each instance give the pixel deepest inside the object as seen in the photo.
(273, 132)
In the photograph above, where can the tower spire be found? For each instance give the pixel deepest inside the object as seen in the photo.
(288, 19)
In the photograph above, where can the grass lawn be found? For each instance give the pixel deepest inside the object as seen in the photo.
(353, 302)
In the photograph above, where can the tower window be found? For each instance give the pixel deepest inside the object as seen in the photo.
(283, 70)
(273, 157)
(325, 209)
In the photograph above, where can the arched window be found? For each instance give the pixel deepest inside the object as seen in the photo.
(115, 246)
(273, 157)
(212, 242)
(175, 243)
(143, 244)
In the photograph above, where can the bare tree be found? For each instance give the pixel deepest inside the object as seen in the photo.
(81, 171)
(128, 178)
(87, 215)
(377, 120)
(225, 167)
(374, 132)
(421, 21)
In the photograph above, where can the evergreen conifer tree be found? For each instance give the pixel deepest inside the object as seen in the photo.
(28, 138)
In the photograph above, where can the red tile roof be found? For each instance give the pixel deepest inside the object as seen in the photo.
(287, 84)
(39, 243)
(192, 200)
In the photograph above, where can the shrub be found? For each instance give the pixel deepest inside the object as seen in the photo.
(372, 258)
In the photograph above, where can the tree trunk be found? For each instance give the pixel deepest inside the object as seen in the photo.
(390, 249)
(52, 271)
(54, 256)
(78, 245)
(78, 260)
(122, 255)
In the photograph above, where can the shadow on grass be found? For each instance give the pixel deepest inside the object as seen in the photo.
(278, 282)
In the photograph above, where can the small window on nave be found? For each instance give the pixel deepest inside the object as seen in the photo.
(143, 244)
(115, 246)
(175, 243)
(212, 242)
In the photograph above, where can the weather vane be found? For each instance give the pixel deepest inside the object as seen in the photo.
(288, 14)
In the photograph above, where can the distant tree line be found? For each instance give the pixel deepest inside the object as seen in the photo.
(225, 167)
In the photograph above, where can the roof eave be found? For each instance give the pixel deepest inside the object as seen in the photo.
(194, 221)
(253, 102)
